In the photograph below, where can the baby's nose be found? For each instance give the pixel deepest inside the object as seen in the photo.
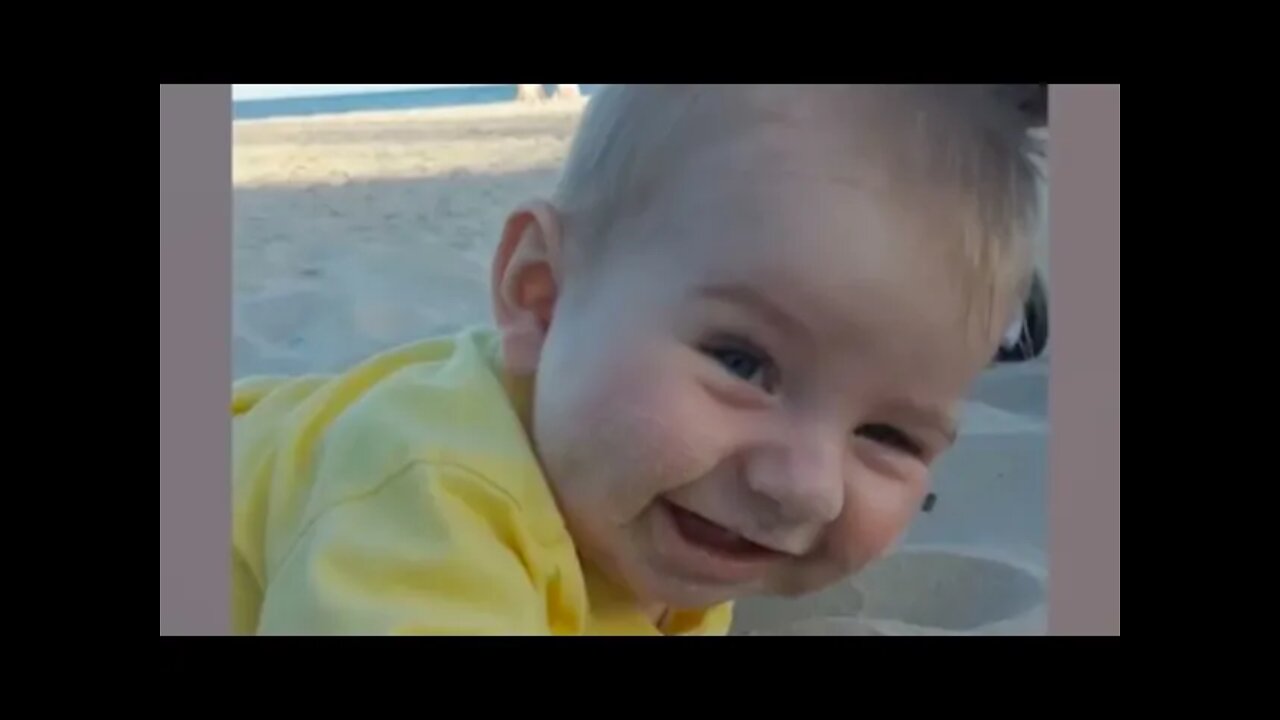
(804, 481)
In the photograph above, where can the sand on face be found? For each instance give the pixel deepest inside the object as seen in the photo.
(358, 232)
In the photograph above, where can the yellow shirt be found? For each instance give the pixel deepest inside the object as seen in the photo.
(403, 497)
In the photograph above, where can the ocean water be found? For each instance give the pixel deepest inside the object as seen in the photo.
(394, 100)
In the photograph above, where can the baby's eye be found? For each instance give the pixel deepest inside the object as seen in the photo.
(739, 362)
(749, 365)
(891, 436)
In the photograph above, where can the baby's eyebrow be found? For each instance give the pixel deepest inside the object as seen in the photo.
(752, 299)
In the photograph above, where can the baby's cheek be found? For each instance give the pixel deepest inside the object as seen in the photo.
(877, 512)
(668, 433)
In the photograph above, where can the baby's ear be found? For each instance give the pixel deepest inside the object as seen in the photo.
(525, 282)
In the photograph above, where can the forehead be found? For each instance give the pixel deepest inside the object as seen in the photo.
(825, 237)
(773, 206)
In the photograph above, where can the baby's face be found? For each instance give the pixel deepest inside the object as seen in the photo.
(749, 395)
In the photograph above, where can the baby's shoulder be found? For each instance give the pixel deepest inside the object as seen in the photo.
(438, 403)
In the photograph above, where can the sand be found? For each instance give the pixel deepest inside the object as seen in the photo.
(355, 233)
(358, 232)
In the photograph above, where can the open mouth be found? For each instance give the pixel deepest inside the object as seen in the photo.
(717, 539)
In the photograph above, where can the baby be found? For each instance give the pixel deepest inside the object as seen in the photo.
(725, 355)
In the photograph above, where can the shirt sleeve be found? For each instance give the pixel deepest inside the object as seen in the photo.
(431, 551)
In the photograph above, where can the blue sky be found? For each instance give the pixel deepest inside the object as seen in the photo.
(265, 92)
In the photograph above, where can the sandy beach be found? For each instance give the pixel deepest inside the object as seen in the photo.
(357, 232)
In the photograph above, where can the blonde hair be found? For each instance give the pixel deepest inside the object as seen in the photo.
(967, 139)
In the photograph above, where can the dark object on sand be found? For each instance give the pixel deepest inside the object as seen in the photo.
(1033, 337)
(929, 501)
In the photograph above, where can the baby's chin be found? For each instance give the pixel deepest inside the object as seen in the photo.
(676, 592)
(679, 593)
(792, 580)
